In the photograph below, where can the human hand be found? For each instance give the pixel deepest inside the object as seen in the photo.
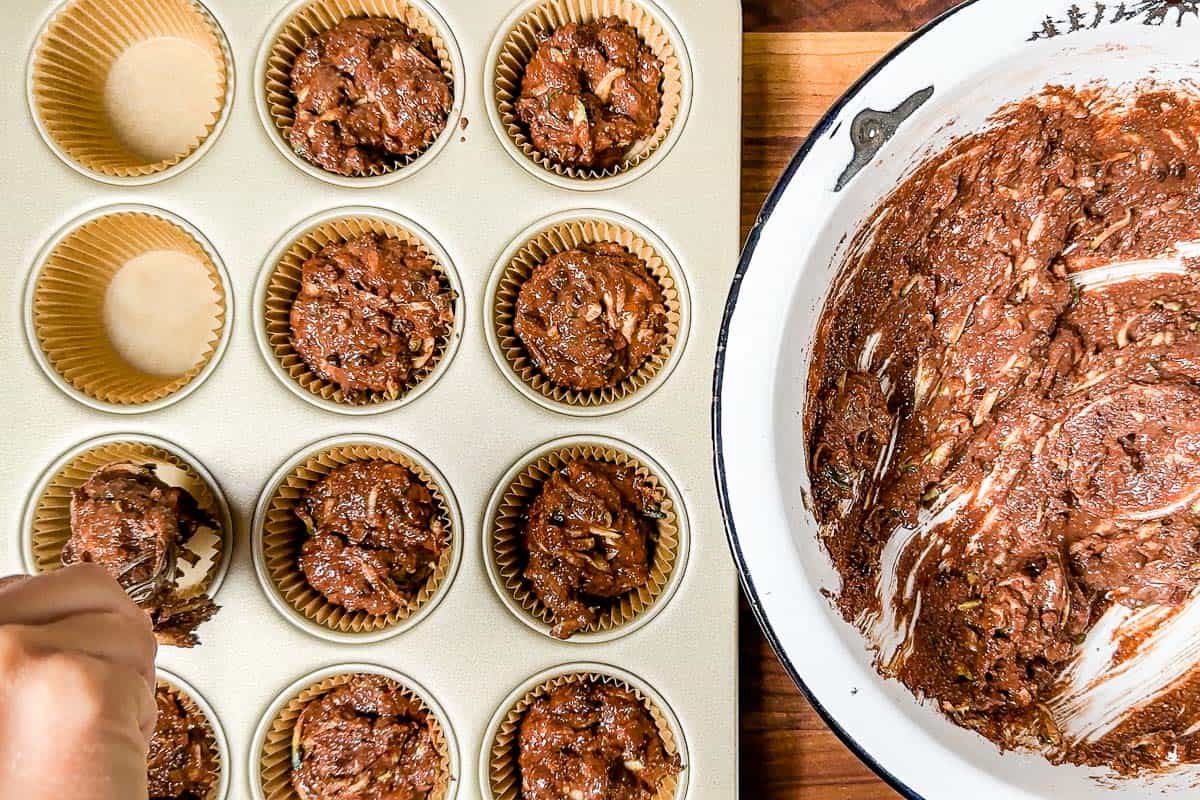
(77, 683)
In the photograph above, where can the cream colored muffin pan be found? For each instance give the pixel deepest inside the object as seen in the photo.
(474, 198)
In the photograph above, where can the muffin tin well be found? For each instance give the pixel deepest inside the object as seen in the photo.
(258, 426)
(277, 535)
(504, 561)
(65, 297)
(499, 774)
(279, 281)
(216, 734)
(74, 57)
(304, 18)
(512, 49)
(557, 234)
(46, 522)
(271, 753)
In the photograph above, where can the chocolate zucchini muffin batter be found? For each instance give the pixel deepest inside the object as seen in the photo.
(589, 536)
(127, 520)
(591, 93)
(182, 764)
(366, 740)
(371, 313)
(588, 740)
(368, 92)
(590, 317)
(374, 536)
(1002, 448)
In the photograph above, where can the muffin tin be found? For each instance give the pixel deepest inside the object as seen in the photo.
(474, 199)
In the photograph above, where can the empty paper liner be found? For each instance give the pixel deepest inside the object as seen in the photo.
(68, 307)
(98, 127)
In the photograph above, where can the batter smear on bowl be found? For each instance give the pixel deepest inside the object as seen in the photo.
(1004, 425)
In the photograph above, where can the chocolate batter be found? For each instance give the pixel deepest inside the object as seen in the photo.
(130, 522)
(369, 92)
(366, 740)
(591, 741)
(182, 764)
(1000, 453)
(374, 536)
(370, 314)
(591, 94)
(589, 536)
(590, 317)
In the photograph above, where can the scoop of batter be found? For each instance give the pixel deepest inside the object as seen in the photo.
(1003, 448)
(591, 741)
(182, 764)
(129, 521)
(370, 313)
(368, 92)
(589, 536)
(590, 317)
(591, 93)
(374, 536)
(366, 740)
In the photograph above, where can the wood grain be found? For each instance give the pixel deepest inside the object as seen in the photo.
(789, 80)
(840, 15)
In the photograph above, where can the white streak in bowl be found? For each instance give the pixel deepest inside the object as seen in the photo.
(1098, 694)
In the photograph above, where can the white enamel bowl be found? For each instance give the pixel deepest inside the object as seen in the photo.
(976, 58)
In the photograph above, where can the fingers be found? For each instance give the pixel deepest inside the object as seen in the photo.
(106, 636)
(79, 589)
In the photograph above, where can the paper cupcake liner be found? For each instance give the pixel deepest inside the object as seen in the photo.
(536, 250)
(202, 561)
(318, 16)
(283, 534)
(275, 758)
(520, 44)
(504, 773)
(509, 557)
(68, 306)
(192, 707)
(283, 283)
(71, 64)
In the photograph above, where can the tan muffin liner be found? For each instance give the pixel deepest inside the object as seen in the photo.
(191, 707)
(50, 524)
(510, 557)
(321, 15)
(504, 771)
(72, 62)
(521, 43)
(68, 306)
(283, 534)
(275, 760)
(284, 284)
(560, 238)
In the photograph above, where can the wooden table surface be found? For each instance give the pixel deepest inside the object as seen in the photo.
(799, 55)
